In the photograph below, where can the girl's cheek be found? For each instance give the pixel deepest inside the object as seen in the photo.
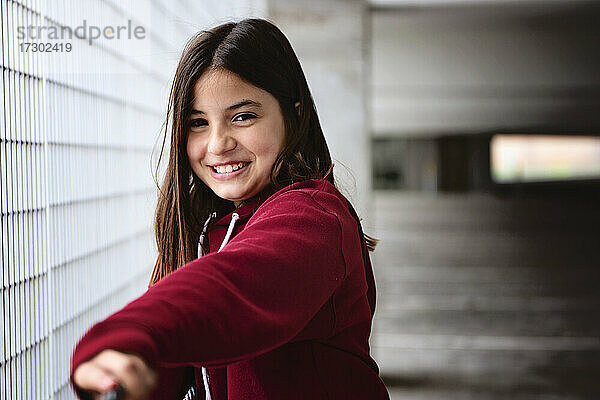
(189, 149)
(195, 150)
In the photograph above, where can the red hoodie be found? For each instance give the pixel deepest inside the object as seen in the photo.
(282, 312)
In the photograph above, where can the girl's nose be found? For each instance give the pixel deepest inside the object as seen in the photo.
(220, 141)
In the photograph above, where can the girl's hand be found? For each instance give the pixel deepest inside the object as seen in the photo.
(101, 374)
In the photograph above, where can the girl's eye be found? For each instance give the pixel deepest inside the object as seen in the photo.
(195, 123)
(244, 117)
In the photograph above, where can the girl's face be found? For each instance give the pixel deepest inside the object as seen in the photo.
(236, 132)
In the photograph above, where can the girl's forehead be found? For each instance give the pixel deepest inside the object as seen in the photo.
(222, 83)
(220, 89)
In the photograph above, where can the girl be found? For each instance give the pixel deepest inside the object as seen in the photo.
(263, 287)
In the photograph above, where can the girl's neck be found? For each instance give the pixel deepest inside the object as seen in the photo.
(261, 196)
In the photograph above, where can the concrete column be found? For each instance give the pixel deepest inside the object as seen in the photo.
(329, 39)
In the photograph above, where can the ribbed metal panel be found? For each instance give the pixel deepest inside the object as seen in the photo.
(77, 194)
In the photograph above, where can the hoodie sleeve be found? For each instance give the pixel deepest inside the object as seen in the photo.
(255, 295)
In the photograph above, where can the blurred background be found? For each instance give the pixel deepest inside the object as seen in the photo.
(465, 132)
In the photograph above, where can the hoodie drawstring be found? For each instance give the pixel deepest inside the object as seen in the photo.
(203, 234)
(234, 218)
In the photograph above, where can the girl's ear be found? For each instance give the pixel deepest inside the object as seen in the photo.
(297, 106)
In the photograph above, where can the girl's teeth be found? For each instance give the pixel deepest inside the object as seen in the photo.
(221, 169)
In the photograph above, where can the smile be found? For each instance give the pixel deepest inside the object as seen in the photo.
(226, 171)
(222, 169)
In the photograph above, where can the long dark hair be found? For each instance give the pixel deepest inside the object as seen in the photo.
(258, 52)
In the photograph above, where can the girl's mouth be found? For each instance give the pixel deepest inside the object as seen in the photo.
(228, 170)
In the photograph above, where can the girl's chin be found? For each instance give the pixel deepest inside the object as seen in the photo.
(235, 192)
(232, 195)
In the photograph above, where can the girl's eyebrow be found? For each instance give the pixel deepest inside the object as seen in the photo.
(235, 106)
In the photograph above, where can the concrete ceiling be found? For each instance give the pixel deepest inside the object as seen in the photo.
(443, 3)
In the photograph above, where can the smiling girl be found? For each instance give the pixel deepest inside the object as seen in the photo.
(263, 286)
(234, 153)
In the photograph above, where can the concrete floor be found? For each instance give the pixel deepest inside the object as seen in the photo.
(474, 304)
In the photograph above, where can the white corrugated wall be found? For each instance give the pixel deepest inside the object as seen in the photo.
(77, 192)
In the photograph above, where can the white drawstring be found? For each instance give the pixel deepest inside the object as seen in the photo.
(206, 383)
(234, 218)
(203, 234)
